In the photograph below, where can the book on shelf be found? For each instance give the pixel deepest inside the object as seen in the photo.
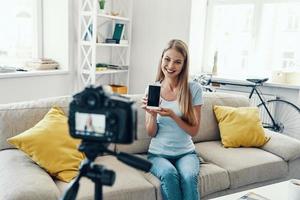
(89, 33)
(100, 69)
(103, 67)
(114, 41)
(100, 38)
(113, 67)
(111, 41)
(118, 32)
(252, 196)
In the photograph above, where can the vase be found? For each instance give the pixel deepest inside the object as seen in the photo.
(102, 6)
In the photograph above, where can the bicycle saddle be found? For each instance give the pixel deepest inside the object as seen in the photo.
(257, 81)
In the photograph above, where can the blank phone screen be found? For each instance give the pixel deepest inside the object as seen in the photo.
(153, 95)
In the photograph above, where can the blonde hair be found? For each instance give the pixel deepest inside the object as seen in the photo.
(184, 96)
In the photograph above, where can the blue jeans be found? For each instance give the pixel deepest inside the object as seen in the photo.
(178, 175)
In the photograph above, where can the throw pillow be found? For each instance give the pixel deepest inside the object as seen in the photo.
(240, 127)
(49, 144)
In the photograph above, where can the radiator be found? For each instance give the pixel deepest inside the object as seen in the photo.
(254, 101)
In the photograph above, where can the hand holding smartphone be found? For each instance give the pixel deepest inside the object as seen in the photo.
(153, 97)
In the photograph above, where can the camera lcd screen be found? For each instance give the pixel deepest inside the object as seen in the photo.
(90, 124)
(153, 95)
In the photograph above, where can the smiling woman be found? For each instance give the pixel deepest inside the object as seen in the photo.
(21, 35)
(173, 124)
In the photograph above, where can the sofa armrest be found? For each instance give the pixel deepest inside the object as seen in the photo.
(286, 147)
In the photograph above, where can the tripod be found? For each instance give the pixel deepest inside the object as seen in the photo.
(98, 173)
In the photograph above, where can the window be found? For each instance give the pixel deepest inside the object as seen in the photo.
(20, 35)
(252, 37)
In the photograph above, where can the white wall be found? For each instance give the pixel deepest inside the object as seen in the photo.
(57, 44)
(154, 23)
(30, 88)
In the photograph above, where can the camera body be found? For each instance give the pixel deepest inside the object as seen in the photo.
(96, 115)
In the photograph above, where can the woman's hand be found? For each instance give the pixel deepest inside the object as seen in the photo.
(166, 112)
(150, 118)
(162, 111)
(144, 106)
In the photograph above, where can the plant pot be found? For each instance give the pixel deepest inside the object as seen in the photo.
(101, 5)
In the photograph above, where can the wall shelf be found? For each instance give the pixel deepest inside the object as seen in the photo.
(88, 43)
(111, 71)
(91, 52)
(125, 19)
(112, 17)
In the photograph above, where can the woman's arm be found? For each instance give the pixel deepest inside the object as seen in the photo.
(151, 125)
(190, 129)
(150, 119)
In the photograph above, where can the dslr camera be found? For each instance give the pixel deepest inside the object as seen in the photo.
(99, 116)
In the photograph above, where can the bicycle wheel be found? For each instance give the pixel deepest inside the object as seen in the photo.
(285, 114)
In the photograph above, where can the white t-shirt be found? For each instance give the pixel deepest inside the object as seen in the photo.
(170, 139)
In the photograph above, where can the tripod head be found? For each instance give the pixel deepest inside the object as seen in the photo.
(98, 173)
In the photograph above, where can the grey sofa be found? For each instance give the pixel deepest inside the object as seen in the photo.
(223, 170)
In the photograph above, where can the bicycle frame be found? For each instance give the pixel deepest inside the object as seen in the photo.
(274, 125)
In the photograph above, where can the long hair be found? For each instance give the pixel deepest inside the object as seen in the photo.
(184, 96)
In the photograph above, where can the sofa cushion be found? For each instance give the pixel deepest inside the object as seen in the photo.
(209, 129)
(49, 144)
(15, 118)
(129, 184)
(240, 127)
(278, 145)
(212, 179)
(22, 179)
(244, 165)
(143, 140)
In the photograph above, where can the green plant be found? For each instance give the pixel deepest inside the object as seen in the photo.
(102, 4)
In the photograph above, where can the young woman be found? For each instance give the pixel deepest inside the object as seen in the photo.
(171, 127)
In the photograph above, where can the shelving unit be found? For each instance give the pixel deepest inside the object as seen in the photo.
(92, 47)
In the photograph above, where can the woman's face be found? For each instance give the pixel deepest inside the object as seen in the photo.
(172, 63)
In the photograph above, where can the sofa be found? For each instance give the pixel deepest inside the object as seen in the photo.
(223, 170)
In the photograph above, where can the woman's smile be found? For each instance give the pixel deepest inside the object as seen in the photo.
(170, 71)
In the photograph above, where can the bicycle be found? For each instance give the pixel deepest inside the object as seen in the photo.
(205, 81)
(286, 117)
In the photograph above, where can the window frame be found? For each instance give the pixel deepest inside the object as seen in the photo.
(37, 31)
(257, 18)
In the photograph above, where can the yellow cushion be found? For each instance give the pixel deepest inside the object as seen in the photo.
(240, 127)
(49, 144)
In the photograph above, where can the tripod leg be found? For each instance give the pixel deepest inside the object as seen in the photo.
(98, 190)
(71, 193)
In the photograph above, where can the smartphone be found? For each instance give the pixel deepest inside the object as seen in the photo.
(153, 97)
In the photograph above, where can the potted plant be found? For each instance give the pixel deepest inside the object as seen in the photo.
(101, 5)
